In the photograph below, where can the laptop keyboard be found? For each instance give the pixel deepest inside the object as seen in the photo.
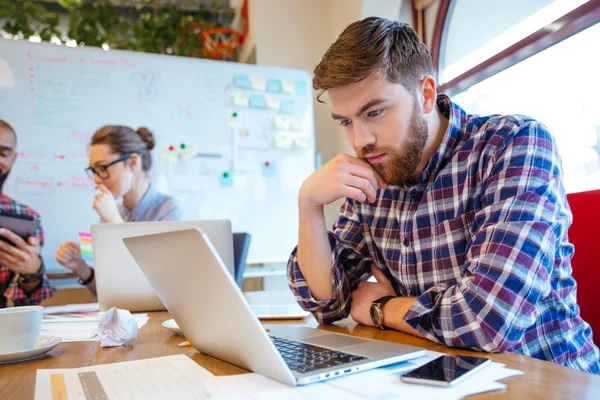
(303, 357)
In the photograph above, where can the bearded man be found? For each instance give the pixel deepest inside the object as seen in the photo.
(23, 280)
(461, 219)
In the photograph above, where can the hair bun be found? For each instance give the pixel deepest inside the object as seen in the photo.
(147, 136)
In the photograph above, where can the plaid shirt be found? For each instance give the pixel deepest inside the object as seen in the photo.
(481, 241)
(9, 286)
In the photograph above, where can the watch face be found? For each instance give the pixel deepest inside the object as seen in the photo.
(376, 314)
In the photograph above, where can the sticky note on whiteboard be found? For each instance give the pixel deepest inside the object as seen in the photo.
(269, 170)
(288, 86)
(274, 86)
(169, 154)
(241, 81)
(258, 83)
(287, 106)
(281, 122)
(234, 120)
(241, 99)
(273, 102)
(188, 152)
(298, 124)
(283, 141)
(257, 101)
(301, 142)
(226, 179)
(301, 87)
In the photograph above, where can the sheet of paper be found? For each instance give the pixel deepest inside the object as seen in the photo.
(171, 377)
(72, 308)
(77, 327)
(377, 384)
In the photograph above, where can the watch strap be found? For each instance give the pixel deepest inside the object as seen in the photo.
(88, 280)
(381, 302)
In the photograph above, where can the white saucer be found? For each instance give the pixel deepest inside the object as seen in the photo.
(42, 346)
(172, 326)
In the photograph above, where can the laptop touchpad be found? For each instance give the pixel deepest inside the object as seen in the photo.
(334, 341)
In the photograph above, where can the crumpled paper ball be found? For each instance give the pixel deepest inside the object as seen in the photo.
(115, 327)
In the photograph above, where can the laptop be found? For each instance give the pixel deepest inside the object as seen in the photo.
(214, 316)
(120, 282)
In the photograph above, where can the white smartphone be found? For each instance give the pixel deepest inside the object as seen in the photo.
(446, 370)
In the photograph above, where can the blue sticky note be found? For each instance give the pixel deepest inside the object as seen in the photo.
(274, 86)
(242, 81)
(226, 179)
(301, 87)
(269, 170)
(287, 107)
(258, 101)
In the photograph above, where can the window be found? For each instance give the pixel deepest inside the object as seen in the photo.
(535, 58)
(558, 87)
(484, 28)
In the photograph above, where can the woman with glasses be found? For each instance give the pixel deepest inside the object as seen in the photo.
(119, 161)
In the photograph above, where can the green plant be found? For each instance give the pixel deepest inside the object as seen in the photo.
(26, 18)
(94, 22)
(153, 26)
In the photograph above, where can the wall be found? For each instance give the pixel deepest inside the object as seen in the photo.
(296, 34)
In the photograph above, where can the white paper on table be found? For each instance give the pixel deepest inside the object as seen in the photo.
(78, 329)
(381, 383)
(72, 308)
(171, 377)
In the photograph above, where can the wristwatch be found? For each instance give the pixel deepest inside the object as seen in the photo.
(88, 280)
(377, 311)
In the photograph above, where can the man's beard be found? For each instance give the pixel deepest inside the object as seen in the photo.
(401, 164)
(3, 177)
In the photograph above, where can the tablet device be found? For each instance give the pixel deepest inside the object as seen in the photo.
(20, 224)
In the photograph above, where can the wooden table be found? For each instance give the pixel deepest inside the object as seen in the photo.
(542, 380)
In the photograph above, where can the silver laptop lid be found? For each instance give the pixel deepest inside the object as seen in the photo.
(120, 282)
(205, 301)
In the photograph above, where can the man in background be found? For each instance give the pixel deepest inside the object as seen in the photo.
(22, 276)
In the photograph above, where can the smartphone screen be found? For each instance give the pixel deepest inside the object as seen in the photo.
(445, 370)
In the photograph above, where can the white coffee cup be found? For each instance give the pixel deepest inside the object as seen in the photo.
(20, 327)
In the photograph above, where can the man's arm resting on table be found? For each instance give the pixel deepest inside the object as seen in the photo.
(394, 312)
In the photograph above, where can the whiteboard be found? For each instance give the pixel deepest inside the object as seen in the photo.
(247, 131)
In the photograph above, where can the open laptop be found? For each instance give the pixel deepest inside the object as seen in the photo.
(120, 282)
(214, 316)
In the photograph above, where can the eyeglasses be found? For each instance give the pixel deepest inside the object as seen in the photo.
(102, 170)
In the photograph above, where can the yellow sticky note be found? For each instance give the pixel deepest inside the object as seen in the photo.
(298, 124)
(188, 152)
(288, 87)
(241, 99)
(234, 120)
(283, 140)
(258, 83)
(301, 142)
(273, 102)
(281, 122)
(170, 154)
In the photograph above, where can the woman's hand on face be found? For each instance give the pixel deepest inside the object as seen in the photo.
(106, 205)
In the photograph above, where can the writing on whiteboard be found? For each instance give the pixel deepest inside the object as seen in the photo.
(34, 157)
(35, 186)
(82, 182)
